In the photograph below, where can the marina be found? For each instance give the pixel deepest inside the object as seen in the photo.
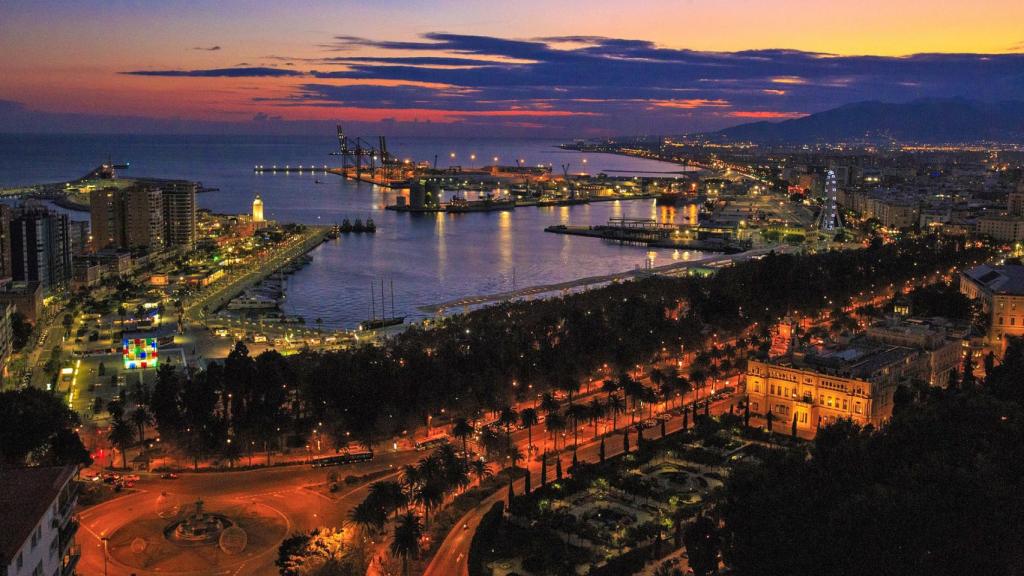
(432, 257)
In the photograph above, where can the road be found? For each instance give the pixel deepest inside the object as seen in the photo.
(450, 558)
(284, 490)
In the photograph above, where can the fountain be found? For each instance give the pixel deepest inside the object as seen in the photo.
(199, 527)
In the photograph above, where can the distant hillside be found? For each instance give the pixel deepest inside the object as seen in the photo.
(926, 121)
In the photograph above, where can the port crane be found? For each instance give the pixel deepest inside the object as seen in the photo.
(357, 152)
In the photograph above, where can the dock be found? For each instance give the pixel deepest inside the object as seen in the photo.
(652, 235)
(287, 169)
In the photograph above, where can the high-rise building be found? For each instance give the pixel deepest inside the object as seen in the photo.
(39, 520)
(40, 247)
(128, 218)
(1015, 201)
(179, 205)
(5, 241)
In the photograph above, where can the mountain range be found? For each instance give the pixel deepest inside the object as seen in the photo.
(932, 120)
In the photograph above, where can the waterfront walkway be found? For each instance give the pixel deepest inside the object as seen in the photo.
(221, 292)
(591, 281)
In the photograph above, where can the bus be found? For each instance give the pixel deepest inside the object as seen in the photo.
(429, 443)
(345, 458)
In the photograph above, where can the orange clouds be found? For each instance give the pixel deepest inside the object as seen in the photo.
(765, 114)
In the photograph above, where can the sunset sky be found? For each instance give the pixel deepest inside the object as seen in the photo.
(551, 68)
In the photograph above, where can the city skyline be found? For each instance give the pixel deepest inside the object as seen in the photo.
(457, 68)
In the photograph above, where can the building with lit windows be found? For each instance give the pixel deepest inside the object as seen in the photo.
(40, 247)
(1000, 290)
(821, 387)
(127, 218)
(38, 537)
(179, 206)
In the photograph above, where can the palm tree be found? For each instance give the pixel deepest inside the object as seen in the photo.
(683, 387)
(616, 405)
(480, 469)
(575, 413)
(462, 429)
(633, 391)
(389, 495)
(555, 423)
(121, 436)
(410, 479)
(528, 417)
(595, 410)
(430, 495)
(141, 418)
(548, 403)
(508, 419)
(406, 541)
(369, 514)
(610, 386)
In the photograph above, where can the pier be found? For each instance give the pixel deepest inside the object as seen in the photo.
(648, 233)
(286, 169)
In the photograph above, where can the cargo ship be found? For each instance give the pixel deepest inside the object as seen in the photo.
(459, 204)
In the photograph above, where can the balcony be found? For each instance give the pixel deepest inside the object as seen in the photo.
(70, 497)
(67, 533)
(70, 561)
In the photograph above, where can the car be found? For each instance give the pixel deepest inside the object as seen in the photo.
(131, 477)
(649, 423)
(221, 333)
(259, 338)
(169, 476)
(663, 417)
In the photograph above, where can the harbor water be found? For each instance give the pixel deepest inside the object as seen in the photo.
(430, 258)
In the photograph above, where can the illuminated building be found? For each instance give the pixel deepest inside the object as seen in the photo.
(257, 209)
(822, 387)
(139, 353)
(127, 218)
(40, 247)
(179, 207)
(829, 218)
(1000, 289)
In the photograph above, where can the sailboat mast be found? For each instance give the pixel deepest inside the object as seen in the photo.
(382, 299)
(393, 298)
(373, 305)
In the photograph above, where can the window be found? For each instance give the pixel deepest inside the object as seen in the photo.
(21, 560)
(856, 407)
(845, 406)
(803, 417)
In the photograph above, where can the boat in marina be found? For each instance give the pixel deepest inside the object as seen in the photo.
(254, 302)
(383, 321)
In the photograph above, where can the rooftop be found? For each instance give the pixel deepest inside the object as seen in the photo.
(1003, 279)
(25, 494)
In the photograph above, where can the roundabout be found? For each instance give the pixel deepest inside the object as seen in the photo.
(208, 537)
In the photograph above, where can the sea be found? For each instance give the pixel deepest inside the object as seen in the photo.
(427, 258)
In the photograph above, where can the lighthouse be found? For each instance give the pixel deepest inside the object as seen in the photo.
(257, 209)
